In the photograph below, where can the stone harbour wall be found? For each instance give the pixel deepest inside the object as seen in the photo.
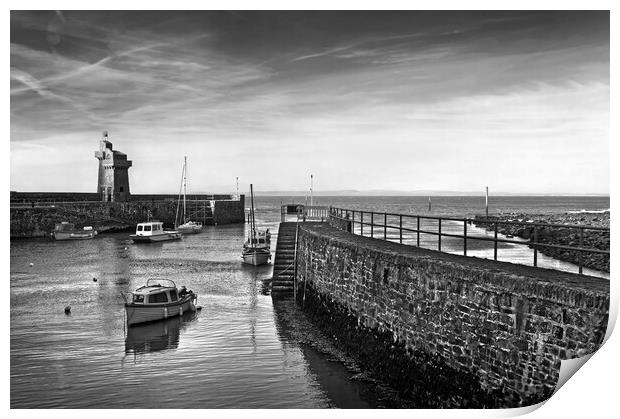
(102, 216)
(229, 212)
(39, 221)
(478, 333)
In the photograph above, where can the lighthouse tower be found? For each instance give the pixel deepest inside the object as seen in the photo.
(113, 181)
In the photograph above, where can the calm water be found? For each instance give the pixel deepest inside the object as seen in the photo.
(242, 350)
(461, 206)
(235, 352)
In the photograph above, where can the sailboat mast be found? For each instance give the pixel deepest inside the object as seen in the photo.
(176, 215)
(184, 188)
(253, 220)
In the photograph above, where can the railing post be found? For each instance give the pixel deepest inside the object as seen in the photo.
(400, 230)
(535, 247)
(439, 237)
(418, 230)
(372, 224)
(464, 237)
(385, 226)
(361, 223)
(495, 243)
(580, 251)
(353, 221)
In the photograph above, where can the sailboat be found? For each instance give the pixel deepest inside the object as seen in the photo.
(188, 226)
(256, 250)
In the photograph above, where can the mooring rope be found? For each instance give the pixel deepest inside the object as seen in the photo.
(285, 269)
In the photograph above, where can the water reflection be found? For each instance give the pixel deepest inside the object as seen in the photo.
(156, 336)
(332, 377)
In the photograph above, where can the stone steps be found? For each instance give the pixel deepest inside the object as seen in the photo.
(283, 265)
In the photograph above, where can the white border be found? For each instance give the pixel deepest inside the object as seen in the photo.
(591, 393)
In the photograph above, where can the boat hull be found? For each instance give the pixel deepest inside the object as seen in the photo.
(256, 257)
(59, 235)
(156, 238)
(145, 313)
(189, 230)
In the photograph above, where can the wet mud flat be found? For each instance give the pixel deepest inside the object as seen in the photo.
(298, 323)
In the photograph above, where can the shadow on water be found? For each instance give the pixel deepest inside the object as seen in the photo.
(156, 336)
(262, 277)
(334, 373)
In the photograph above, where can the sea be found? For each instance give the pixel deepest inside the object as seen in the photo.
(242, 349)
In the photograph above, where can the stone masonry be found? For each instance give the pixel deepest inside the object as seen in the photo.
(113, 178)
(39, 221)
(506, 325)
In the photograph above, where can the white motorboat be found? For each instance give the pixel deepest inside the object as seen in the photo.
(157, 300)
(153, 231)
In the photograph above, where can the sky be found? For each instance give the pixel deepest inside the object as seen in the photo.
(409, 100)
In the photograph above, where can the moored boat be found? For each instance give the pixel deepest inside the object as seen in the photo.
(67, 231)
(257, 249)
(157, 300)
(153, 231)
(188, 226)
(255, 256)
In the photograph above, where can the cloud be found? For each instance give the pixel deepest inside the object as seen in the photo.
(400, 98)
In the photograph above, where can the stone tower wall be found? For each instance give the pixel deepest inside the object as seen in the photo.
(113, 178)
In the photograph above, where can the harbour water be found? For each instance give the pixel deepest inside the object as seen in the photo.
(242, 350)
(234, 353)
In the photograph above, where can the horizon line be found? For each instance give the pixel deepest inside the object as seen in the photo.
(354, 192)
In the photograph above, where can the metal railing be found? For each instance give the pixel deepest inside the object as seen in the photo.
(304, 212)
(378, 224)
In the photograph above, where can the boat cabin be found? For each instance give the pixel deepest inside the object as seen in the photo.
(157, 292)
(151, 228)
(64, 226)
(260, 239)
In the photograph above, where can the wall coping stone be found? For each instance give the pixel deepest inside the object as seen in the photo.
(527, 281)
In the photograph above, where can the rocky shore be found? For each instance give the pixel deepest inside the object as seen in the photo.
(563, 236)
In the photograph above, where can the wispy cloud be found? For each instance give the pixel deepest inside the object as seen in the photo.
(409, 93)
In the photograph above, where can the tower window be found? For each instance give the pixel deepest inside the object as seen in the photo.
(121, 189)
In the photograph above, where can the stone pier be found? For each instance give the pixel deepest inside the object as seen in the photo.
(38, 219)
(448, 330)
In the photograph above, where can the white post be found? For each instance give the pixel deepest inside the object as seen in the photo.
(237, 179)
(311, 185)
(486, 202)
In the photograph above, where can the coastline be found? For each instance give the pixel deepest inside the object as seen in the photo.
(560, 236)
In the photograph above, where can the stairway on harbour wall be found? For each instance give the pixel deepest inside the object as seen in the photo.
(284, 262)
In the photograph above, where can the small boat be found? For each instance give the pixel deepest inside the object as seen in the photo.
(188, 227)
(157, 300)
(256, 250)
(67, 231)
(256, 256)
(153, 231)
